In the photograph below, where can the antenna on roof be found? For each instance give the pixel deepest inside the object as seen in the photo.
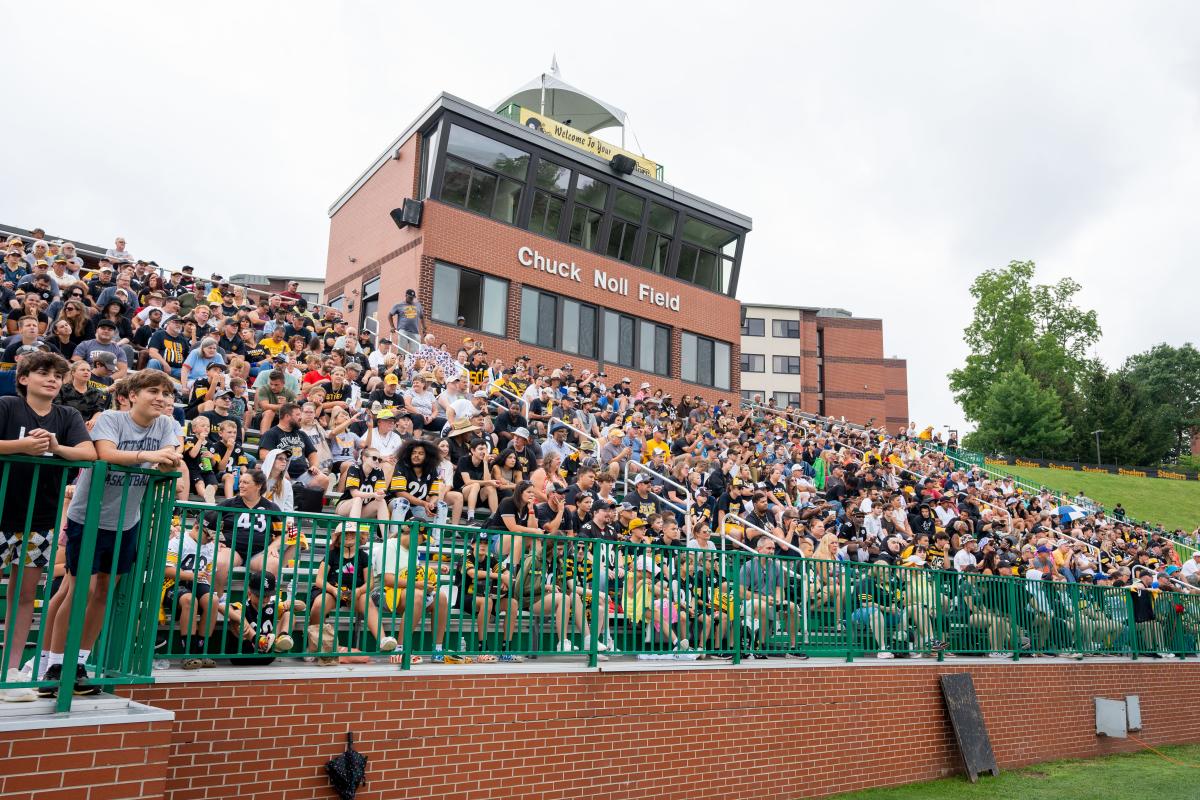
(554, 66)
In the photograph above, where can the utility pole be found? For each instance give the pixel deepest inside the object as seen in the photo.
(1097, 435)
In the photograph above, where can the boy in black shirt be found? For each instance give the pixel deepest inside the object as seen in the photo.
(31, 424)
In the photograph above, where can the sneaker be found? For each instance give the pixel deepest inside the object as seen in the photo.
(757, 656)
(937, 645)
(207, 662)
(884, 654)
(54, 674)
(565, 646)
(387, 644)
(283, 643)
(997, 655)
(83, 688)
(22, 694)
(795, 655)
(450, 658)
(438, 657)
(511, 658)
(683, 645)
(191, 664)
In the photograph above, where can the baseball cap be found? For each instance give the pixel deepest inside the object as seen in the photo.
(220, 392)
(386, 413)
(106, 323)
(481, 394)
(105, 358)
(391, 378)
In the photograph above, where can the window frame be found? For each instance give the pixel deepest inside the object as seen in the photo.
(762, 362)
(714, 361)
(789, 363)
(746, 326)
(483, 277)
(787, 326)
(788, 404)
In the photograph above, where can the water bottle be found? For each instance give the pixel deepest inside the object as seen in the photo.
(462, 644)
(443, 513)
(400, 508)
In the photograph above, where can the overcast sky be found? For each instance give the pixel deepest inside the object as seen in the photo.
(887, 152)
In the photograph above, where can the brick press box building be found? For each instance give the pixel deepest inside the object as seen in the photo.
(822, 360)
(535, 237)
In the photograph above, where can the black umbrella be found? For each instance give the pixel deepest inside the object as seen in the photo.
(348, 771)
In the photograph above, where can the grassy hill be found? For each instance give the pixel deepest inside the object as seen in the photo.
(1175, 504)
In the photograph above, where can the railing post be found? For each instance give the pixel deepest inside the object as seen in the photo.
(736, 593)
(1015, 621)
(1135, 644)
(596, 627)
(83, 583)
(410, 589)
(847, 610)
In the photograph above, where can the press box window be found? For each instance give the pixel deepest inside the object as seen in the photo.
(626, 222)
(753, 362)
(707, 254)
(481, 300)
(551, 183)
(660, 230)
(483, 175)
(636, 343)
(754, 326)
(705, 361)
(590, 195)
(785, 365)
(558, 323)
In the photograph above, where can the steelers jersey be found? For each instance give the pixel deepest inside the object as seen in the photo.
(421, 487)
(369, 482)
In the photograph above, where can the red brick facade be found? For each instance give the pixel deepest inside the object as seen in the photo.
(91, 762)
(691, 733)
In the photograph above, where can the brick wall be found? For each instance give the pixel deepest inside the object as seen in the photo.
(854, 372)
(895, 392)
(761, 732)
(85, 763)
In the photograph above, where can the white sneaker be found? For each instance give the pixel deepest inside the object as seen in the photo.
(600, 646)
(388, 644)
(884, 654)
(565, 646)
(997, 655)
(22, 694)
(683, 646)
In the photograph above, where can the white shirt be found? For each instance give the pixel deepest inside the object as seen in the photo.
(386, 445)
(1190, 568)
(873, 525)
(963, 559)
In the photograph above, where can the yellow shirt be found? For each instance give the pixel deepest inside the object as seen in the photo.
(275, 347)
(652, 447)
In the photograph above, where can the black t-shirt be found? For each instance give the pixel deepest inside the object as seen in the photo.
(590, 530)
(173, 348)
(395, 399)
(216, 419)
(17, 420)
(347, 571)
(507, 508)
(295, 442)
(332, 394)
(244, 533)
(467, 465)
(573, 493)
(230, 345)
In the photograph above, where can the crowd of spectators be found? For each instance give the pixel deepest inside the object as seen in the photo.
(266, 402)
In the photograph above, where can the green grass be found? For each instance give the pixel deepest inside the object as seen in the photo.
(1175, 504)
(1125, 777)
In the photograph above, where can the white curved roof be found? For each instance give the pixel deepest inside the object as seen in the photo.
(564, 102)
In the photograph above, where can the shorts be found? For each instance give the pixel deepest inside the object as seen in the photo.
(37, 546)
(106, 559)
(303, 479)
(207, 478)
(171, 599)
(862, 616)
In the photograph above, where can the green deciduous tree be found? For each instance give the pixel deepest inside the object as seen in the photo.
(1170, 378)
(1016, 322)
(1019, 417)
(1136, 428)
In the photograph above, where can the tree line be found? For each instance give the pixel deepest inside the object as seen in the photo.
(1031, 388)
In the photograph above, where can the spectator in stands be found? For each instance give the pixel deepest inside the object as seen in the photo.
(168, 350)
(408, 317)
(366, 487)
(104, 342)
(303, 465)
(197, 361)
(117, 253)
(32, 424)
(78, 393)
(144, 435)
(344, 581)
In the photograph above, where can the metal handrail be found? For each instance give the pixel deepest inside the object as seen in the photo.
(558, 423)
(511, 396)
(656, 474)
(1186, 587)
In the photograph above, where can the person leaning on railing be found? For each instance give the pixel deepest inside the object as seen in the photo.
(31, 424)
(144, 435)
(762, 584)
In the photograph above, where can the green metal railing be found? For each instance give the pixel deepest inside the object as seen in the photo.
(420, 591)
(124, 649)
